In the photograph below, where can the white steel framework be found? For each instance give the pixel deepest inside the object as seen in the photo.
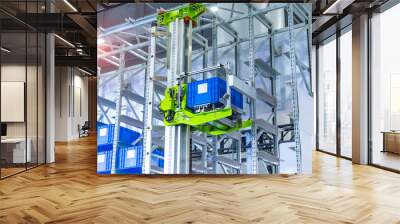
(163, 55)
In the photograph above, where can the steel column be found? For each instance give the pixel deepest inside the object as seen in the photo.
(274, 93)
(252, 159)
(118, 101)
(294, 89)
(148, 105)
(177, 138)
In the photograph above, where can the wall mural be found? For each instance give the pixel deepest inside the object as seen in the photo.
(205, 89)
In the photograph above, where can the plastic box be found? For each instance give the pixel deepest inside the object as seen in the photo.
(105, 134)
(104, 159)
(155, 158)
(210, 91)
(129, 159)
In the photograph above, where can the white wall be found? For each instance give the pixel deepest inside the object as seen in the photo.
(17, 73)
(61, 103)
(71, 102)
(33, 126)
(14, 73)
(80, 110)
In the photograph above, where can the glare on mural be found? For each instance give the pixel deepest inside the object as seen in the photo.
(169, 113)
(100, 41)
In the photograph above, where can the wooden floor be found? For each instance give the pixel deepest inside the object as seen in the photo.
(5, 172)
(69, 191)
(387, 159)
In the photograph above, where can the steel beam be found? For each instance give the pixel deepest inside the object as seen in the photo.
(266, 97)
(294, 89)
(130, 24)
(241, 86)
(251, 154)
(118, 106)
(131, 121)
(177, 145)
(266, 157)
(261, 123)
(148, 104)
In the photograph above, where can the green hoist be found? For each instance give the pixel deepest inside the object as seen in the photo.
(207, 122)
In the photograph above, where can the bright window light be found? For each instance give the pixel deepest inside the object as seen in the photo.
(84, 71)
(100, 41)
(70, 5)
(214, 8)
(338, 6)
(64, 40)
(5, 50)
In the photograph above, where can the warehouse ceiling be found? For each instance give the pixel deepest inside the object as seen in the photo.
(73, 22)
(332, 15)
(117, 14)
(76, 20)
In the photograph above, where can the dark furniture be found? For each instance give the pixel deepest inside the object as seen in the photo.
(391, 141)
(84, 129)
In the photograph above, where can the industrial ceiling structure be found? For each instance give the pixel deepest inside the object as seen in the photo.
(329, 16)
(73, 22)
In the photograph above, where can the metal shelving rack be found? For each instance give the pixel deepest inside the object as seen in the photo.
(180, 142)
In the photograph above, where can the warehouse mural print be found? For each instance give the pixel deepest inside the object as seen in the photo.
(204, 89)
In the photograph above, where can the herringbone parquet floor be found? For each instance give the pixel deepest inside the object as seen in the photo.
(69, 191)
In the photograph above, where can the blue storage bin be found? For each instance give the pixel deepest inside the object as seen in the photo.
(210, 91)
(156, 160)
(104, 159)
(236, 99)
(127, 136)
(105, 134)
(129, 159)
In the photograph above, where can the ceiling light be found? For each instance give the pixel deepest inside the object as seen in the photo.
(64, 40)
(5, 50)
(214, 8)
(70, 5)
(84, 71)
(100, 41)
(337, 7)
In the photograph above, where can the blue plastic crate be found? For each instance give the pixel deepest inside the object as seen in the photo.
(104, 159)
(134, 170)
(210, 91)
(159, 152)
(155, 158)
(236, 99)
(127, 136)
(105, 134)
(129, 159)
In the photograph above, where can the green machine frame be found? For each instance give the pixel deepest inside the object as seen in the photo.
(190, 12)
(205, 121)
(174, 104)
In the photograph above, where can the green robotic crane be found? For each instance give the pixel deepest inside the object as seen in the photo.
(190, 12)
(174, 106)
